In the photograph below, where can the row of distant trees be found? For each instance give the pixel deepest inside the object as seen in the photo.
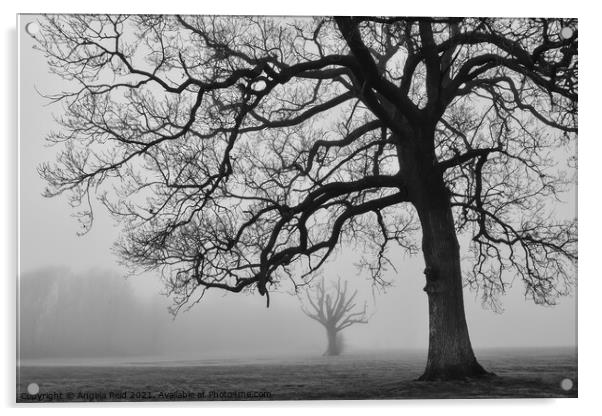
(91, 314)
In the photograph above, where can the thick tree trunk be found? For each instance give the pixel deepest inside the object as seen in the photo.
(333, 342)
(450, 354)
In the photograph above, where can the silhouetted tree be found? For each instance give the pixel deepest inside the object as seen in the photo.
(236, 148)
(335, 310)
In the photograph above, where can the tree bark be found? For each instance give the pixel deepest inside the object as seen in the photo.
(333, 345)
(450, 354)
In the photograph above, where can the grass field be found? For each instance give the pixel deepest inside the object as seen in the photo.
(520, 373)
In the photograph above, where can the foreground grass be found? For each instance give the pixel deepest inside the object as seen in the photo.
(520, 373)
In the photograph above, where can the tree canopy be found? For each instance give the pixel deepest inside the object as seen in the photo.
(240, 151)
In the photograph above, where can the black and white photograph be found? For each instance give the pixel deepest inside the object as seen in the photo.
(296, 208)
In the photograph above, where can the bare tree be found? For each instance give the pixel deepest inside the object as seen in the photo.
(236, 149)
(335, 310)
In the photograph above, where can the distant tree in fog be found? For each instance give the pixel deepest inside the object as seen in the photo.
(335, 309)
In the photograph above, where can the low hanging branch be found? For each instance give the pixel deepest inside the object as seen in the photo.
(335, 310)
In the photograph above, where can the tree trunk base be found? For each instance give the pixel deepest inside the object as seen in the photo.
(455, 372)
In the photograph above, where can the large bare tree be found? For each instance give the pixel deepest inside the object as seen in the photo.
(335, 310)
(241, 151)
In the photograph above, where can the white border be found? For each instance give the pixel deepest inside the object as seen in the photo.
(589, 199)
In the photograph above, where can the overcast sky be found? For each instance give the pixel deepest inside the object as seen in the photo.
(240, 323)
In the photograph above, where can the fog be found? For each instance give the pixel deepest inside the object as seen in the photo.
(75, 303)
(98, 313)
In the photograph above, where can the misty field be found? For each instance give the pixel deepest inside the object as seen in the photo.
(520, 373)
